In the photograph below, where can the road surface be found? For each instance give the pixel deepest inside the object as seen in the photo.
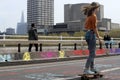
(109, 66)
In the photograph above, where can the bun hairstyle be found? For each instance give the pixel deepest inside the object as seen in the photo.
(90, 8)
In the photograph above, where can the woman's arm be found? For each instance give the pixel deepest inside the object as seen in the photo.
(96, 32)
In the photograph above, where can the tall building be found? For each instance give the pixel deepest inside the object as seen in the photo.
(74, 15)
(21, 26)
(40, 12)
(74, 19)
(73, 12)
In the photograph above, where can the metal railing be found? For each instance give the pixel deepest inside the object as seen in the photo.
(75, 41)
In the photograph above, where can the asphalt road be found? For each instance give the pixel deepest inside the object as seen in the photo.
(109, 66)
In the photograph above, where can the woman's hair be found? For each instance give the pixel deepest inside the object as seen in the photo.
(88, 10)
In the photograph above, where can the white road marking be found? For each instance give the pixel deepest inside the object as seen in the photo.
(112, 69)
(66, 63)
(39, 67)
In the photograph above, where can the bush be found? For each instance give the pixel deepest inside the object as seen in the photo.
(115, 33)
(64, 34)
(79, 34)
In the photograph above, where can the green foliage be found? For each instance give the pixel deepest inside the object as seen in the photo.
(53, 34)
(64, 34)
(79, 34)
(115, 33)
(101, 33)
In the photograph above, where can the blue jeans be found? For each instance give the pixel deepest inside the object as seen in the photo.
(91, 42)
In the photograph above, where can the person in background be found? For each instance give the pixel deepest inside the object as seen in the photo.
(90, 36)
(32, 35)
(107, 40)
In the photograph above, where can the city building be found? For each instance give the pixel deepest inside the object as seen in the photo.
(40, 12)
(74, 20)
(73, 12)
(115, 26)
(10, 31)
(21, 26)
(105, 24)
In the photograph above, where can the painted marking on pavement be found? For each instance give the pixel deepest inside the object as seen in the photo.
(26, 56)
(39, 67)
(112, 69)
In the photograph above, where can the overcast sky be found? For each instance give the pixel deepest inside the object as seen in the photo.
(10, 11)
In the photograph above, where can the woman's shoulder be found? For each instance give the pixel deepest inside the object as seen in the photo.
(93, 17)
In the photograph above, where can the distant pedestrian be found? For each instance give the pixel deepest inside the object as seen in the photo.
(32, 35)
(107, 39)
(92, 32)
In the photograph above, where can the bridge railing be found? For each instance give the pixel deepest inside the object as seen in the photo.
(19, 43)
(75, 41)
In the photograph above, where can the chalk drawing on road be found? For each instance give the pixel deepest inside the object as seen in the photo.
(26, 56)
(48, 54)
(43, 76)
(6, 57)
(61, 54)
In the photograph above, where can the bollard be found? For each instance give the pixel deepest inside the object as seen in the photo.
(19, 45)
(118, 45)
(59, 46)
(75, 46)
(40, 47)
(100, 46)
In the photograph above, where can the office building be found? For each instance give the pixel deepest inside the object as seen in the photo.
(40, 12)
(115, 26)
(21, 26)
(73, 12)
(10, 31)
(74, 19)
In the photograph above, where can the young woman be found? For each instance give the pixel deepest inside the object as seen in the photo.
(92, 32)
